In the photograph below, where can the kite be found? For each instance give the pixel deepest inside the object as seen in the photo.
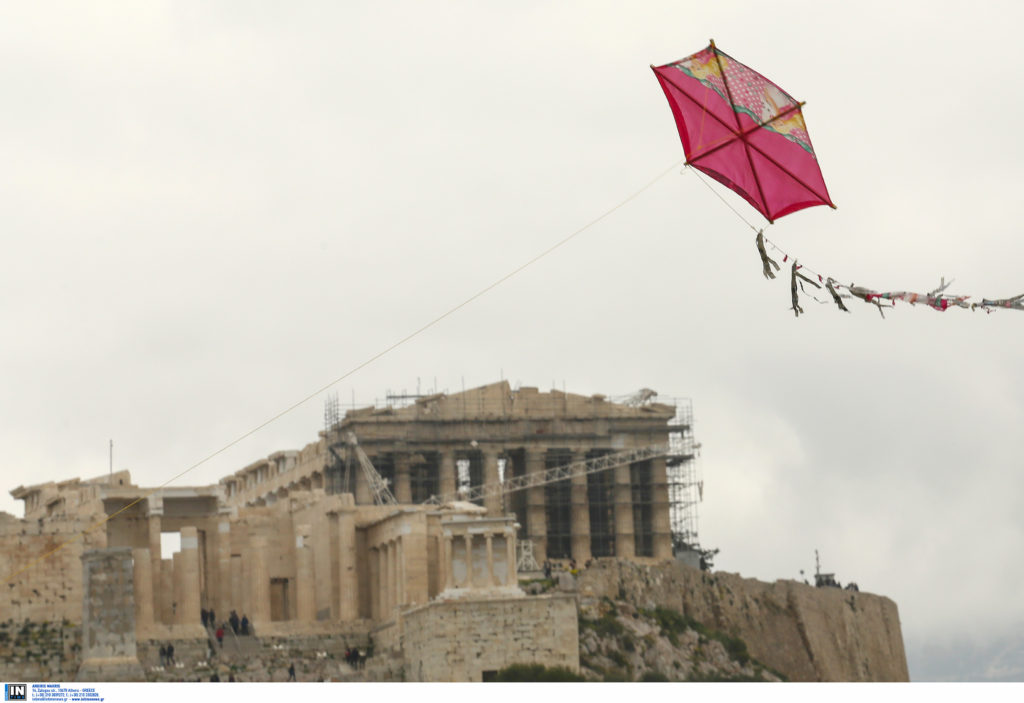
(744, 131)
(747, 133)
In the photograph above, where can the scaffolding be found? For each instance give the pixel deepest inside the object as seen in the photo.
(685, 486)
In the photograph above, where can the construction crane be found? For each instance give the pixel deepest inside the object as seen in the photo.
(378, 486)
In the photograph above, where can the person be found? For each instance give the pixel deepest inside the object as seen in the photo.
(547, 569)
(204, 617)
(214, 677)
(220, 636)
(210, 617)
(291, 672)
(231, 677)
(234, 621)
(163, 655)
(245, 624)
(170, 654)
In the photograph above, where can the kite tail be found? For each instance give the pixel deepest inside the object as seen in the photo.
(765, 259)
(835, 296)
(792, 289)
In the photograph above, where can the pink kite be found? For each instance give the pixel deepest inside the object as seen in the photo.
(744, 131)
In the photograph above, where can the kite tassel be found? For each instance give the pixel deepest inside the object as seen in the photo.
(766, 261)
(835, 296)
(793, 292)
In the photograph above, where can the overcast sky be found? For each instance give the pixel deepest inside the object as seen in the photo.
(210, 210)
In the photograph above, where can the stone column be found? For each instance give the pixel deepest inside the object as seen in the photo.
(188, 605)
(510, 557)
(178, 588)
(536, 517)
(395, 575)
(403, 484)
(386, 579)
(348, 577)
(662, 524)
(305, 595)
(402, 572)
(155, 507)
(490, 560)
(108, 617)
(448, 564)
(625, 546)
(579, 515)
(259, 582)
(446, 472)
(223, 602)
(362, 489)
(238, 597)
(493, 503)
(142, 585)
(373, 564)
(469, 559)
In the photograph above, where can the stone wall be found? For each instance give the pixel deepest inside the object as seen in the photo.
(807, 633)
(108, 617)
(460, 640)
(39, 651)
(43, 589)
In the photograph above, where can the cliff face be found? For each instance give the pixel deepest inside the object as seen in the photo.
(807, 633)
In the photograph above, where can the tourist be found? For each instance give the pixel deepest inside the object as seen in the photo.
(220, 636)
(291, 672)
(245, 624)
(163, 655)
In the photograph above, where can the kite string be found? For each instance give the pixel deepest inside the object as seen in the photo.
(719, 196)
(748, 224)
(565, 240)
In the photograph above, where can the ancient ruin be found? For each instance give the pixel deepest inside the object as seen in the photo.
(316, 542)
(399, 528)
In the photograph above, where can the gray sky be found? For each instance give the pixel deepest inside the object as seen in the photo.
(211, 210)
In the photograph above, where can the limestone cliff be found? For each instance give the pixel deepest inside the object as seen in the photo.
(806, 633)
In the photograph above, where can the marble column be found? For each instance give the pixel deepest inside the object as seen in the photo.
(449, 564)
(155, 507)
(305, 596)
(403, 484)
(493, 502)
(188, 604)
(662, 523)
(510, 557)
(490, 560)
(348, 577)
(373, 564)
(468, 538)
(224, 599)
(579, 515)
(536, 516)
(385, 581)
(259, 585)
(402, 576)
(446, 472)
(625, 546)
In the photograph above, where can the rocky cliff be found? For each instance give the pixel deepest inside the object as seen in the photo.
(803, 632)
